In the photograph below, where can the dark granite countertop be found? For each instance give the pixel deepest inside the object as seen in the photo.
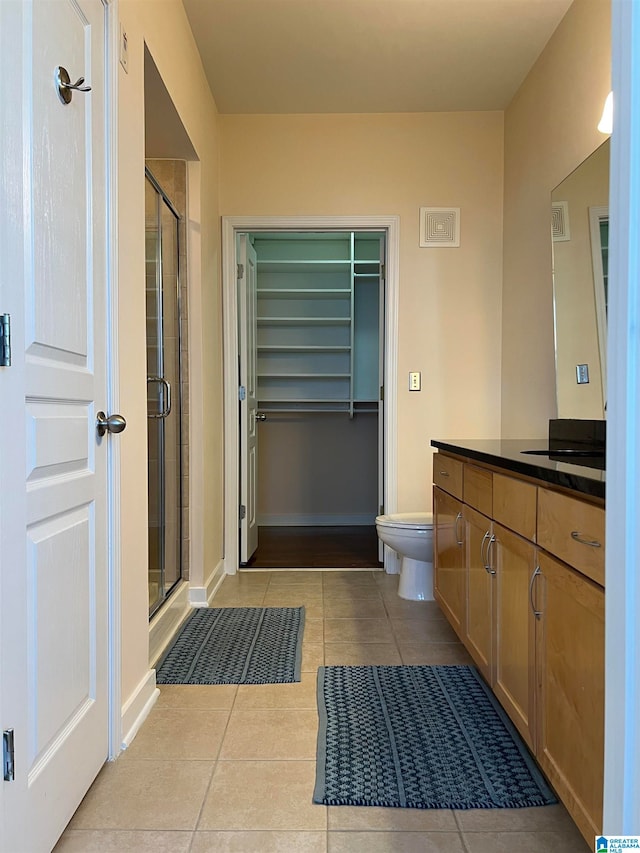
(582, 476)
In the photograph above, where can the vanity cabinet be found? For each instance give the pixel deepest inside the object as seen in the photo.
(530, 611)
(449, 565)
(570, 671)
(514, 626)
(479, 628)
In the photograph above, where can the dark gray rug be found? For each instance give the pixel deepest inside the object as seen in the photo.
(425, 737)
(236, 645)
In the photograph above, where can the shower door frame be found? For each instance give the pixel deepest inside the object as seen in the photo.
(175, 396)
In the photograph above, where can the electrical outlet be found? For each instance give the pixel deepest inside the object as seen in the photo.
(414, 381)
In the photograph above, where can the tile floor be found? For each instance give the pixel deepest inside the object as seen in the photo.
(232, 768)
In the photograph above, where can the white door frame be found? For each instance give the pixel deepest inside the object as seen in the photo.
(232, 225)
(622, 601)
(114, 567)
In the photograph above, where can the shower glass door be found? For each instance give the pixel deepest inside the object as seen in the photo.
(163, 394)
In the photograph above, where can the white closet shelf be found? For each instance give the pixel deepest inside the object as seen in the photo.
(272, 348)
(300, 401)
(305, 266)
(304, 375)
(306, 293)
(317, 322)
(304, 321)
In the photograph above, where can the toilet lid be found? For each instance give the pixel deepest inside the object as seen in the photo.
(407, 520)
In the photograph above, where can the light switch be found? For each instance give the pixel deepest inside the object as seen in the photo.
(582, 374)
(415, 381)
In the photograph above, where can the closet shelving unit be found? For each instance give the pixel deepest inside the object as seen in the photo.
(318, 322)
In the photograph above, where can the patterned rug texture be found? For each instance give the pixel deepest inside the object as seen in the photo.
(236, 645)
(424, 737)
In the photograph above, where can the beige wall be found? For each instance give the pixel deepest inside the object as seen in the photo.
(550, 127)
(165, 29)
(449, 299)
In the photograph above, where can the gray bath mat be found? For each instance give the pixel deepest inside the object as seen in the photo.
(236, 645)
(419, 737)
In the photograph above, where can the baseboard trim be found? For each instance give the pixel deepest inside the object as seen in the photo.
(317, 520)
(202, 596)
(136, 709)
(163, 626)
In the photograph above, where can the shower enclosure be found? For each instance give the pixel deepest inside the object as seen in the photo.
(164, 441)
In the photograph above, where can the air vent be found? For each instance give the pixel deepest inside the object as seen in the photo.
(439, 227)
(560, 230)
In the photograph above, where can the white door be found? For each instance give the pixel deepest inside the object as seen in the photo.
(53, 502)
(247, 321)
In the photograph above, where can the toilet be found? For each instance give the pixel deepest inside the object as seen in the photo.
(410, 534)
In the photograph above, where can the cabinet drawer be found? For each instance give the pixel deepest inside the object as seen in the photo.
(478, 488)
(514, 505)
(573, 530)
(447, 473)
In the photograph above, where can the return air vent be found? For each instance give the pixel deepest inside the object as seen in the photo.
(560, 230)
(439, 227)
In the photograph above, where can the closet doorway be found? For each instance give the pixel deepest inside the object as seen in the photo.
(312, 312)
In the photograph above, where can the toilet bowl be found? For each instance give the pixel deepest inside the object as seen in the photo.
(410, 535)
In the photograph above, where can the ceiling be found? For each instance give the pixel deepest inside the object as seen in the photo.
(355, 56)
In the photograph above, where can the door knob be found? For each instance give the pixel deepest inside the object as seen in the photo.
(113, 423)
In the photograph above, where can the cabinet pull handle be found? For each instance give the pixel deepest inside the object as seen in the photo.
(536, 613)
(444, 473)
(483, 559)
(488, 567)
(455, 532)
(579, 537)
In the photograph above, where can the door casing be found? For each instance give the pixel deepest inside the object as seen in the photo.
(231, 227)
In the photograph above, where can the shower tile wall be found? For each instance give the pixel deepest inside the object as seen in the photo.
(172, 177)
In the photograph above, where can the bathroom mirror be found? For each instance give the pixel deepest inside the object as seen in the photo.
(580, 234)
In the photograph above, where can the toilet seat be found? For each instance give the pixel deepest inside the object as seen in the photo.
(407, 520)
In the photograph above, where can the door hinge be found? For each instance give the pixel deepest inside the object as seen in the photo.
(382, 393)
(381, 509)
(240, 271)
(242, 393)
(382, 271)
(5, 340)
(8, 755)
(243, 512)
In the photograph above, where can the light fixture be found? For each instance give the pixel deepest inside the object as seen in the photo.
(606, 122)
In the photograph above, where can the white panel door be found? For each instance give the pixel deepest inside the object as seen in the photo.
(53, 506)
(247, 307)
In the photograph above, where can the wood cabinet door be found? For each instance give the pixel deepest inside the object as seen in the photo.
(515, 682)
(449, 565)
(570, 666)
(479, 623)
